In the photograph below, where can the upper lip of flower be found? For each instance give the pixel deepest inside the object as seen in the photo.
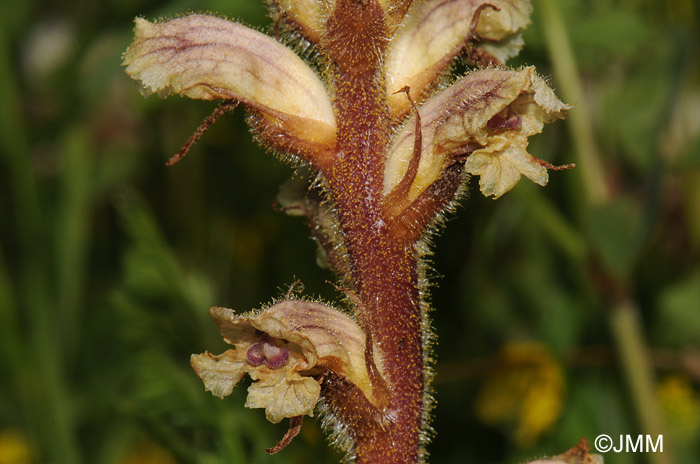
(206, 57)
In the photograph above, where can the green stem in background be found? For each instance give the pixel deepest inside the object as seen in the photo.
(564, 236)
(634, 356)
(72, 232)
(48, 398)
(567, 78)
(10, 341)
(625, 320)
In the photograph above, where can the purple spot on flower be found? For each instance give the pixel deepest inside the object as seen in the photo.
(255, 356)
(268, 353)
(506, 119)
(275, 357)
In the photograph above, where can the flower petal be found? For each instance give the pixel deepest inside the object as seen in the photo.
(499, 32)
(430, 36)
(208, 58)
(219, 373)
(507, 18)
(326, 336)
(491, 109)
(283, 396)
(501, 163)
(497, 53)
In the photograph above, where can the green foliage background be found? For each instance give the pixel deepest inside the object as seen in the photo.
(109, 261)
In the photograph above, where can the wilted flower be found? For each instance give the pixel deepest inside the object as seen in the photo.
(284, 349)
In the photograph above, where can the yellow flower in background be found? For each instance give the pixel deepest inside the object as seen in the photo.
(680, 404)
(148, 452)
(524, 392)
(15, 448)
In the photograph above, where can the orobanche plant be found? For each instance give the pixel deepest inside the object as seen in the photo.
(388, 138)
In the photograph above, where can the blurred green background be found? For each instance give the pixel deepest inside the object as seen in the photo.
(562, 312)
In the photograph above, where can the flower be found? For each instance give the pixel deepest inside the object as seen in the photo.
(208, 58)
(488, 113)
(285, 349)
(433, 33)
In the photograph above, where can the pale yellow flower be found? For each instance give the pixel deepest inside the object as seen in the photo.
(490, 112)
(284, 348)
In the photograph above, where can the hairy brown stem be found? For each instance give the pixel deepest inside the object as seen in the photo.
(384, 266)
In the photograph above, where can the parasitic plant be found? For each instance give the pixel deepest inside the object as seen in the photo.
(388, 138)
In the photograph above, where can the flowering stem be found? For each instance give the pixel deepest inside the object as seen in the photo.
(388, 169)
(384, 269)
